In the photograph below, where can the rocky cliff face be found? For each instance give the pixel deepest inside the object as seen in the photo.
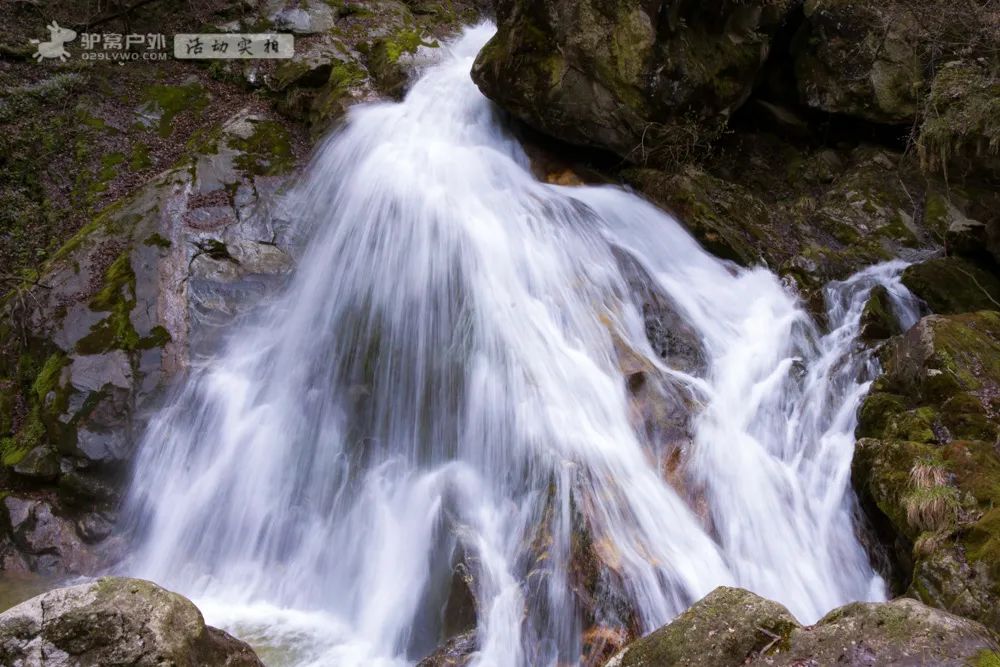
(166, 223)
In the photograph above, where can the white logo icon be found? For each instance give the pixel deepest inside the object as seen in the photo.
(56, 46)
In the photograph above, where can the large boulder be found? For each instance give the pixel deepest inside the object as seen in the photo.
(115, 621)
(877, 61)
(950, 285)
(960, 132)
(731, 627)
(927, 468)
(861, 59)
(642, 79)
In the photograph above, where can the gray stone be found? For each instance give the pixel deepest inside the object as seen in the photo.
(115, 621)
(93, 372)
(314, 17)
(732, 627)
(47, 541)
(103, 446)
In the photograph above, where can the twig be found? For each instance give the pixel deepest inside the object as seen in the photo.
(981, 288)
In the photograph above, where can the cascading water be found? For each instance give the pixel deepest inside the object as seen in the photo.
(444, 383)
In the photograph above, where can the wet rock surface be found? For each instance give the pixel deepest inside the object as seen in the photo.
(115, 621)
(927, 465)
(734, 627)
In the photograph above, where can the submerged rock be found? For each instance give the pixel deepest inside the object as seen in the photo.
(115, 621)
(456, 652)
(878, 322)
(732, 627)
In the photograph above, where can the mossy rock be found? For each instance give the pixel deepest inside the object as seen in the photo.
(951, 285)
(878, 322)
(648, 85)
(814, 215)
(116, 621)
(860, 59)
(960, 133)
(927, 467)
(727, 627)
(166, 101)
(732, 627)
(728, 220)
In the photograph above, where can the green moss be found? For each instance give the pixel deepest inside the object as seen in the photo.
(936, 213)
(968, 347)
(117, 297)
(631, 45)
(951, 285)
(48, 377)
(331, 100)
(139, 159)
(878, 322)
(913, 425)
(267, 151)
(172, 100)
(875, 413)
(157, 240)
(102, 221)
(158, 337)
(961, 116)
(384, 54)
(31, 434)
(404, 41)
(986, 658)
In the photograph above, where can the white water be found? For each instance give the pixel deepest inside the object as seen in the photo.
(443, 380)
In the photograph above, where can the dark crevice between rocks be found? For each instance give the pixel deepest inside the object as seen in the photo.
(888, 551)
(550, 155)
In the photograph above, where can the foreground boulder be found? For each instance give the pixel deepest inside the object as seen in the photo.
(628, 76)
(734, 627)
(115, 621)
(927, 466)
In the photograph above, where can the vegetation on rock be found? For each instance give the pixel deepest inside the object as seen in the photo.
(731, 627)
(927, 466)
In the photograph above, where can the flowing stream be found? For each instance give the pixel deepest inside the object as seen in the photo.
(549, 400)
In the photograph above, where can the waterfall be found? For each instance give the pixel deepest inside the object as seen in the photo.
(550, 398)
